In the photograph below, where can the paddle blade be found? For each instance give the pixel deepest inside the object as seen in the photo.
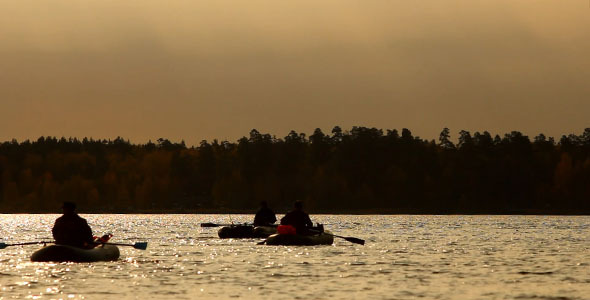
(355, 240)
(209, 225)
(3, 245)
(140, 245)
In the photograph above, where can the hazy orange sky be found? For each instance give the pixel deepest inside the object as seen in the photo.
(193, 70)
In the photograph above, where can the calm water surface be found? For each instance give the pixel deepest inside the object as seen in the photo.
(405, 257)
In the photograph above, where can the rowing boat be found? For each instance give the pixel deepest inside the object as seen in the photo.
(246, 231)
(63, 253)
(324, 238)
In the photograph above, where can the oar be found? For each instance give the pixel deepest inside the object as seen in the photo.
(348, 238)
(245, 224)
(214, 225)
(4, 245)
(138, 245)
(222, 225)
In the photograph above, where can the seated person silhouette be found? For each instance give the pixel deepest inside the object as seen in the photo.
(298, 219)
(265, 216)
(71, 229)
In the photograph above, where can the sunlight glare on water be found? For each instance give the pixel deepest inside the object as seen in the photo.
(405, 257)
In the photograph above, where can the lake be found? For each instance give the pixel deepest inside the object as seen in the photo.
(405, 257)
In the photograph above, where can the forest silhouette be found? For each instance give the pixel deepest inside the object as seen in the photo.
(362, 170)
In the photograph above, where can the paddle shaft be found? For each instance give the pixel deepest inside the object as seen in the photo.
(138, 245)
(220, 225)
(348, 238)
(31, 243)
(223, 225)
(116, 244)
(3, 245)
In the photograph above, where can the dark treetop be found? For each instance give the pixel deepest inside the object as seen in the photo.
(364, 170)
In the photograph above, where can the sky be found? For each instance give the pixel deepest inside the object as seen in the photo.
(215, 69)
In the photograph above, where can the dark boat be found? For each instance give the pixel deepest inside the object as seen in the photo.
(63, 253)
(246, 231)
(324, 238)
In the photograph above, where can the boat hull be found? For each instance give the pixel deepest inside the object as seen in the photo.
(325, 238)
(246, 232)
(63, 253)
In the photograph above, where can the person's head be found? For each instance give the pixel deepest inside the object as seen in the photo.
(298, 205)
(68, 207)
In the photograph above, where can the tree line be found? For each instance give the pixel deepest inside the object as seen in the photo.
(361, 170)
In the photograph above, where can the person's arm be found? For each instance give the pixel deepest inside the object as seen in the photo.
(273, 217)
(87, 231)
(308, 221)
(285, 220)
(55, 231)
(257, 219)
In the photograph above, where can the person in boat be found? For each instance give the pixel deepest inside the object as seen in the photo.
(298, 219)
(265, 216)
(71, 229)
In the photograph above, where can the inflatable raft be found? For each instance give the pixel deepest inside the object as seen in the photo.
(324, 238)
(246, 231)
(63, 253)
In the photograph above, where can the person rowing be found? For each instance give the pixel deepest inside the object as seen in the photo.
(298, 219)
(71, 229)
(265, 216)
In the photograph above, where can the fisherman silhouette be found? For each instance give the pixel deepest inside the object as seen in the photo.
(265, 216)
(71, 229)
(298, 219)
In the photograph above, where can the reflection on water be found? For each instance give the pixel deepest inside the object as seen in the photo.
(406, 257)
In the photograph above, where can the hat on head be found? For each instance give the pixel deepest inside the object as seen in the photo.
(70, 205)
(298, 204)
